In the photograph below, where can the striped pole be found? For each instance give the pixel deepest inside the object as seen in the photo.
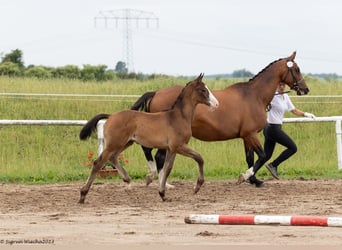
(264, 220)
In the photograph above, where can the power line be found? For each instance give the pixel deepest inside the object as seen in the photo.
(126, 17)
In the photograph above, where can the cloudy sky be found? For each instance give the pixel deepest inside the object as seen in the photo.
(193, 36)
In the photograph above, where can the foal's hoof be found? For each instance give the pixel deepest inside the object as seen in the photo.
(162, 195)
(169, 186)
(241, 179)
(82, 196)
(148, 180)
(198, 186)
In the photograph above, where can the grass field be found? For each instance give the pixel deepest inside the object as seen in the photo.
(49, 154)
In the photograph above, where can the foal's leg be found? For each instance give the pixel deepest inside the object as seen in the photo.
(125, 177)
(168, 164)
(154, 167)
(160, 160)
(97, 165)
(186, 151)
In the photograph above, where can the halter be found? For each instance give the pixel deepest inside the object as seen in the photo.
(294, 79)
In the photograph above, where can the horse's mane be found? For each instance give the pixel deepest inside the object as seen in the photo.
(263, 70)
(243, 85)
(179, 97)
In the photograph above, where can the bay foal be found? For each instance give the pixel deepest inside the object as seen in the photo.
(169, 130)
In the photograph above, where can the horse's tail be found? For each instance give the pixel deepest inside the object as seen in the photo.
(143, 103)
(91, 126)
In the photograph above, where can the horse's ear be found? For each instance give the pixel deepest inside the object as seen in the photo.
(292, 57)
(200, 77)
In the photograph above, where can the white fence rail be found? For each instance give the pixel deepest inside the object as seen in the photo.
(336, 119)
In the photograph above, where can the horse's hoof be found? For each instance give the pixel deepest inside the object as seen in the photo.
(241, 179)
(162, 196)
(169, 186)
(198, 186)
(148, 180)
(258, 183)
(166, 199)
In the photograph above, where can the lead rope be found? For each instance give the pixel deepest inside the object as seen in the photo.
(269, 106)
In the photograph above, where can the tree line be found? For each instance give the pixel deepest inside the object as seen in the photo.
(12, 65)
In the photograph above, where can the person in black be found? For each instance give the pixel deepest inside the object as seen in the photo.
(273, 131)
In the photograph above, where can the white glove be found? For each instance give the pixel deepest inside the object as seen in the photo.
(309, 115)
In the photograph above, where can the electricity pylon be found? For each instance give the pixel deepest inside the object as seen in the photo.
(125, 17)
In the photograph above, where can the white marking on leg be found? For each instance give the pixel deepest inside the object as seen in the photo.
(152, 166)
(250, 172)
(160, 177)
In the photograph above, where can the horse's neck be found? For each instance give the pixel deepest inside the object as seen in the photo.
(265, 85)
(186, 108)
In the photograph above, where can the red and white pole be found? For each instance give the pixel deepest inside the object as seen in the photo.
(264, 220)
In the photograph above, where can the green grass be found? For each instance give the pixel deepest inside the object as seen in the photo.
(50, 154)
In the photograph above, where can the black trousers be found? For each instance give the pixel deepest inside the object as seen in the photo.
(274, 134)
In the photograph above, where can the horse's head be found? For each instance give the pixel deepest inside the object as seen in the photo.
(293, 77)
(201, 92)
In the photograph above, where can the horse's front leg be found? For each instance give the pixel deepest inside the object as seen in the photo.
(168, 164)
(97, 165)
(160, 160)
(186, 151)
(124, 175)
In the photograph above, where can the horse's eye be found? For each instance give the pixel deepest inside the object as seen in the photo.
(203, 91)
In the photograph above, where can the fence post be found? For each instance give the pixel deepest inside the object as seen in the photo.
(100, 136)
(339, 143)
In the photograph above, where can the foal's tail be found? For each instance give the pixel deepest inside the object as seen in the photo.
(143, 103)
(91, 126)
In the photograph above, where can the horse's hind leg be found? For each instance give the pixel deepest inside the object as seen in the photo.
(97, 165)
(253, 142)
(125, 177)
(151, 165)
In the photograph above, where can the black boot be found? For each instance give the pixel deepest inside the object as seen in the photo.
(273, 170)
(254, 180)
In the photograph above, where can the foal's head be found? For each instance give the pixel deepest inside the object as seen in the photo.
(200, 93)
(293, 77)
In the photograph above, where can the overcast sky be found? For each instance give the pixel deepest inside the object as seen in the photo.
(210, 36)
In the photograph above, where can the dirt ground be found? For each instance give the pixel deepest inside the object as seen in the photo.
(115, 215)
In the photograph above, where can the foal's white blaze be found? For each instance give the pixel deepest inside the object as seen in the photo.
(214, 103)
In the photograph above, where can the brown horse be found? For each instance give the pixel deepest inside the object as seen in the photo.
(241, 113)
(169, 130)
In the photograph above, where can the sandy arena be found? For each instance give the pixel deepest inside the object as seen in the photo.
(115, 215)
